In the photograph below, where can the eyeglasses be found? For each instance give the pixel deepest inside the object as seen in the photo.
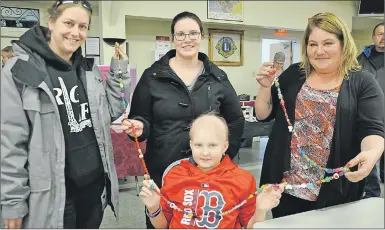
(192, 35)
(86, 4)
(278, 63)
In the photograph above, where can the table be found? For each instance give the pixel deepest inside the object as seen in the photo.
(366, 213)
(247, 103)
(257, 129)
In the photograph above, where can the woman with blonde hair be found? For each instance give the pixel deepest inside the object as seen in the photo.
(329, 121)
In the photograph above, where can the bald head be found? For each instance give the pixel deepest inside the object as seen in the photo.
(210, 123)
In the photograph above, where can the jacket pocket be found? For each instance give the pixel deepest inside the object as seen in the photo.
(161, 139)
(102, 102)
(41, 113)
(36, 100)
(41, 163)
(39, 185)
(43, 207)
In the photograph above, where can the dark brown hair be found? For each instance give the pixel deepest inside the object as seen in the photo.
(184, 15)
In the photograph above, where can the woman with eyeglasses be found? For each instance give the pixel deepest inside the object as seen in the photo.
(174, 91)
(57, 167)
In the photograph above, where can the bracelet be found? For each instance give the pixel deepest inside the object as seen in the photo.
(155, 214)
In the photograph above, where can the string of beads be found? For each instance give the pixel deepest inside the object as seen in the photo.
(337, 172)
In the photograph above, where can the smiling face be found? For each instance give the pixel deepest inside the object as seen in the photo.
(69, 30)
(208, 142)
(187, 38)
(324, 51)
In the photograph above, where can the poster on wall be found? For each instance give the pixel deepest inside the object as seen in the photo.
(159, 54)
(162, 46)
(92, 46)
(225, 10)
(162, 43)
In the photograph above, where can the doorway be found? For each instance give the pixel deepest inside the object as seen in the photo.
(289, 47)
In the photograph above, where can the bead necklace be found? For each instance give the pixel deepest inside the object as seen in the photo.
(338, 172)
(120, 72)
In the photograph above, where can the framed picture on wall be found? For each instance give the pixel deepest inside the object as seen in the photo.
(226, 47)
(92, 46)
(225, 10)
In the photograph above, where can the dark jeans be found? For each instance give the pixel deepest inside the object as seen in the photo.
(157, 177)
(83, 208)
(290, 205)
(372, 185)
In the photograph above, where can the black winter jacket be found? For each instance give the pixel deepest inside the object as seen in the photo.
(367, 64)
(166, 107)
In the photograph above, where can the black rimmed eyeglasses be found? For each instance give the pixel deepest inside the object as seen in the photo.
(86, 4)
(193, 35)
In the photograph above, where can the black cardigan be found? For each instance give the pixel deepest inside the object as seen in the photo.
(360, 112)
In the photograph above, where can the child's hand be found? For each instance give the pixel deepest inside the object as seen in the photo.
(149, 197)
(269, 198)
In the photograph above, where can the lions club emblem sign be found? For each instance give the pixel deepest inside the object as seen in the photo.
(226, 47)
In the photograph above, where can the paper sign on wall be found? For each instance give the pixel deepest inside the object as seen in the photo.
(162, 46)
(162, 43)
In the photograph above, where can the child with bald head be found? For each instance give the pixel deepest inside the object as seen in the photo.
(209, 190)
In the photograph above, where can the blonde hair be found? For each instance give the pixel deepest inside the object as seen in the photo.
(332, 24)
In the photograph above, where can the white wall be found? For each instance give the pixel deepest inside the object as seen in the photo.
(278, 14)
(297, 49)
(141, 34)
(291, 15)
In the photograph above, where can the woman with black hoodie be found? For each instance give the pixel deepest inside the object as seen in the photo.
(57, 167)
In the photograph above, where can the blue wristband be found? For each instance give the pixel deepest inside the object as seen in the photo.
(155, 214)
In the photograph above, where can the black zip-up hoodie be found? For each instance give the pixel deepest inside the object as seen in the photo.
(83, 160)
(167, 107)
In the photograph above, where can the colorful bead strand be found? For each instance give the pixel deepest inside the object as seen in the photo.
(338, 172)
(121, 86)
(295, 141)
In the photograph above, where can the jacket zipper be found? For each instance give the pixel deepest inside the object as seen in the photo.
(209, 96)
